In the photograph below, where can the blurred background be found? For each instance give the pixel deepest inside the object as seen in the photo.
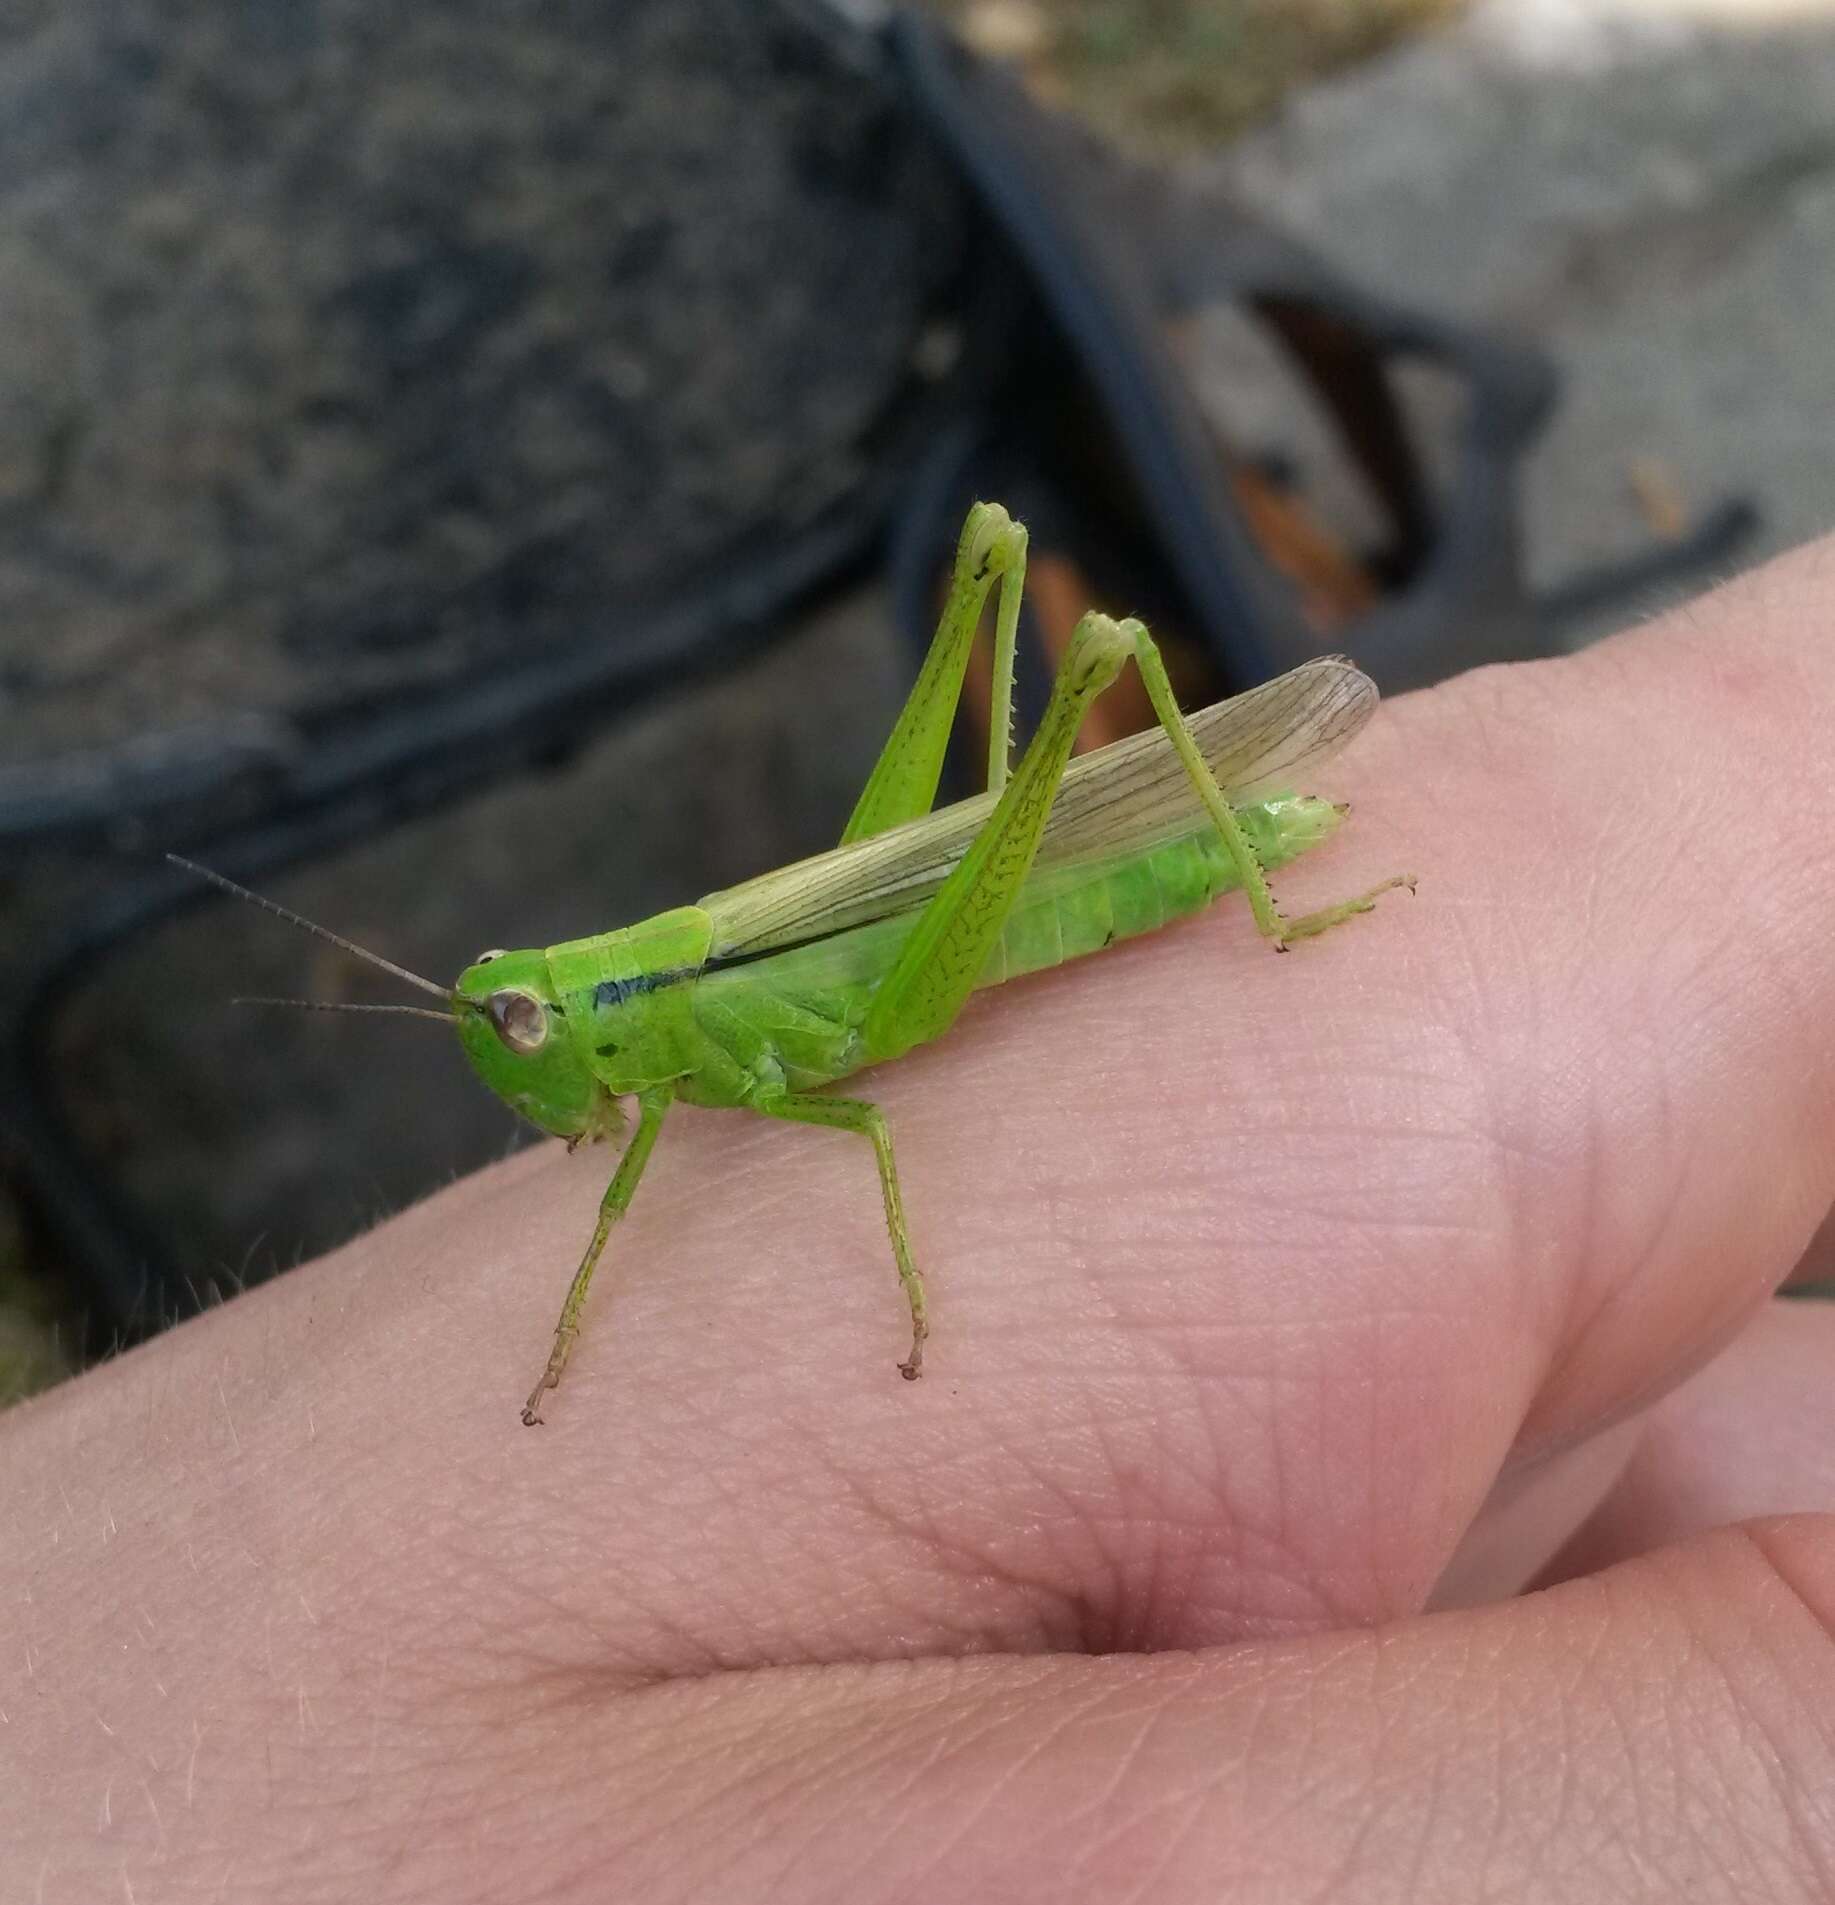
(482, 474)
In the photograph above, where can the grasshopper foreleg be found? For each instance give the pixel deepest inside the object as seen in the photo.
(613, 1205)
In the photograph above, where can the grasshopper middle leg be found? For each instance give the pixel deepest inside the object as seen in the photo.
(855, 1114)
(618, 1194)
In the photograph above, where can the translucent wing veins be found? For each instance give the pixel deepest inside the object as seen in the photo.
(1120, 799)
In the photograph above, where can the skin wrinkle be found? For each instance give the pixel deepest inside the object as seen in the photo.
(989, 1795)
(1722, 1827)
(1137, 1595)
(744, 1809)
(1259, 1547)
(1619, 1293)
(912, 1785)
(933, 1541)
(519, 1646)
(1602, 1295)
(1096, 1605)
(1638, 1791)
(1167, 1840)
(1691, 1736)
(1060, 1610)
(1342, 1878)
(1370, 1394)
(1519, 1203)
(1087, 1635)
(1797, 1842)
(1152, 1720)
(1230, 1540)
(1573, 1806)
(1532, 1450)
(1121, 1761)
(1433, 1810)
(1157, 1795)
(757, 1565)
(1772, 1544)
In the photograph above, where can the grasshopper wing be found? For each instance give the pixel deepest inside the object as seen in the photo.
(1123, 798)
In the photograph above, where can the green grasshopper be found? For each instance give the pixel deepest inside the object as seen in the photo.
(761, 995)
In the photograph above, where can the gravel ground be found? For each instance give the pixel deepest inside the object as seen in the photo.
(1648, 190)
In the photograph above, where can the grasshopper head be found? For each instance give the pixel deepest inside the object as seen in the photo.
(514, 1032)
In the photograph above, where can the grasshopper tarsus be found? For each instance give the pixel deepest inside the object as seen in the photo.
(532, 1409)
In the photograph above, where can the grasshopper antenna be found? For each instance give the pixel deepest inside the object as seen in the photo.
(319, 932)
(342, 1005)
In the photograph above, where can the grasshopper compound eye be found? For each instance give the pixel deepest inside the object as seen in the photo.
(485, 958)
(520, 1019)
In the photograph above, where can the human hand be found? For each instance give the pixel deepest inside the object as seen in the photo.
(1277, 1302)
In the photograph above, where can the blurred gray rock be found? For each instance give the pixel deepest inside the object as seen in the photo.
(347, 348)
(1648, 193)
